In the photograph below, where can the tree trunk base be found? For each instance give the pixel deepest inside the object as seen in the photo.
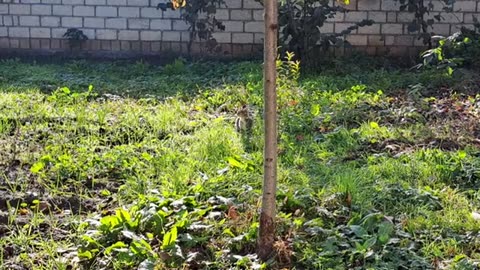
(266, 237)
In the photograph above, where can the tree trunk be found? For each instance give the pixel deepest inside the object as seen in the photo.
(268, 211)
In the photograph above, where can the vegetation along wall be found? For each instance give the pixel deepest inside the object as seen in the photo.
(116, 27)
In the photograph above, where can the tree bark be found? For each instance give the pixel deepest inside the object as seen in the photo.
(267, 216)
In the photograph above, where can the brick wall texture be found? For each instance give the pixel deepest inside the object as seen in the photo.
(137, 26)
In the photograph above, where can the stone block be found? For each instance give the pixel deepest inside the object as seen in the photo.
(105, 11)
(140, 3)
(376, 40)
(41, 9)
(405, 17)
(391, 17)
(372, 29)
(151, 35)
(60, 10)
(441, 29)
(73, 2)
(166, 46)
(90, 33)
(225, 49)
(19, 9)
(465, 6)
(124, 45)
(3, 8)
(241, 15)
(251, 4)
(94, 45)
(340, 27)
(135, 46)
(116, 45)
(233, 4)
(74, 22)
(456, 27)
(156, 46)
(254, 27)
(129, 12)
(24, 43)
(128, 35)
(160, 24)
(258, 15)
(377, 16)
(327, 28)
(258, 38)
(355, 16)
(223, 37)
(185, 36)
(150, 12)
(51, 1)
(179, 25)
(469, 18)
(405, 40)
(106, 45)
(55, 44)
(369, 5)
(390, 5)
(398, 51)
(455, 17)
(83, 11)
(116, 2)
(222, 14)
(58, 32)
(14, 43)
(96, 2)
(8, 20)
(116, 23)
(171, 36)
(29, 20)
(19, 32)
(45, 43)
(146, 47)
(392, 28)
(357, 40)
(40, 32)
(233, 26)
(389, 40)
(138, 24)
(94, 22)
(339, 17)
(242, 38)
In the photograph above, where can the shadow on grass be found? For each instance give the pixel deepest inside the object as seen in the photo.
(125, 78)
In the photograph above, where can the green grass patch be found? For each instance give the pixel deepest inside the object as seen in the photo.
(144, 169)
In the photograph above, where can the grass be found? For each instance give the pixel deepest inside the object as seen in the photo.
(145, 170)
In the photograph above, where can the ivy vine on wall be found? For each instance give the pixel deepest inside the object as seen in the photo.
(423, 22)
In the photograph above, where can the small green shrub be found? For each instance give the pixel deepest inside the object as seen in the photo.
(462, 49)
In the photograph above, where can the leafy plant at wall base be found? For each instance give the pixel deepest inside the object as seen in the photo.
(75, 37)
(420, 24)
(458, 50)
(201, 20)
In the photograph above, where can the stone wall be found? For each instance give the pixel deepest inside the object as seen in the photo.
(135, 26)
(389, 33)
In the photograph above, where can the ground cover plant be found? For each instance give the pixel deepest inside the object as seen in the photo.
(132, 166)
